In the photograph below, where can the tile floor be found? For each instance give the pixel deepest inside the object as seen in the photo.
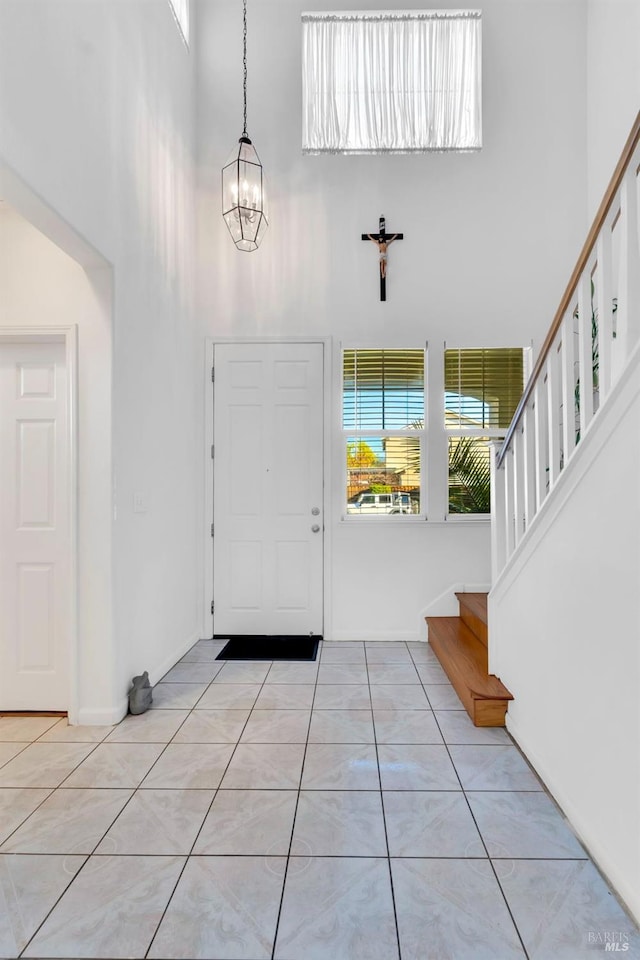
(339, 810)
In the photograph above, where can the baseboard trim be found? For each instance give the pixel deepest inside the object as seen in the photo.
(109, 716)
(368, 637)
(627, 894)
(157, 673)
(446, 605)
(103, 716)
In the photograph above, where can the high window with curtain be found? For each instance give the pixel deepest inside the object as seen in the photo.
(482, 390)
(383, 421)
(391, 82)
(180, 9)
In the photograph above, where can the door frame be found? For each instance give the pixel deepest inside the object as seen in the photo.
(327, 494)
(68, 336)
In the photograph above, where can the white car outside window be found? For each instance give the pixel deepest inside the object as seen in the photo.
(380, 503)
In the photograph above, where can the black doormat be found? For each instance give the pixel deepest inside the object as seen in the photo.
(270, 648)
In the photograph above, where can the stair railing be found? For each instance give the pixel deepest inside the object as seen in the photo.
(588, 344)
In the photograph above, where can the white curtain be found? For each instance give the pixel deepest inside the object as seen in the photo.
(405, 82)
(181, 13)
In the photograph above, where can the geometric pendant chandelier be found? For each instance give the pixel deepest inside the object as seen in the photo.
(243, 187)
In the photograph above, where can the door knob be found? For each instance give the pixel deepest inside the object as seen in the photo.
(315, 511)
(315, 528)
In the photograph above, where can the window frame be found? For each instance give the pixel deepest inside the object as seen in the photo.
(362, 433)
(343, 114)
(494, 435)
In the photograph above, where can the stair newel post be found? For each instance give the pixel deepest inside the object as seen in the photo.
(498, 558)
(628, 327)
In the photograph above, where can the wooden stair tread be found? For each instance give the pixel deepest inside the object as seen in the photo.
(476, 603)
(454, 637)
(464, 659)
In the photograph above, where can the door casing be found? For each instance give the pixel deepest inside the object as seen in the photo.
(68, 336)
(207, 617)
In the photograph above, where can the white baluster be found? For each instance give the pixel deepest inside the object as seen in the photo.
(541, 418)
(568, 384)
(509, 539)
(530, 465)
(628, 325)
(498, 546)
(585, 346)
(605, 309)
(518, 486)
(553, 414)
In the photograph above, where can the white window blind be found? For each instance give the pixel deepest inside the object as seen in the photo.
(383, 420)
(482, 387)
(383, 389)
(391, 82)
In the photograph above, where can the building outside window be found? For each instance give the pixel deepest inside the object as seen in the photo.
(482, 391)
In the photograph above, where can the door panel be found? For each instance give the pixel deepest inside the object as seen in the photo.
(268, 477)
(35, 544)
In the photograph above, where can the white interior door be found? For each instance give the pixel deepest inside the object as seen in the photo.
(35, 541)
(268, 489)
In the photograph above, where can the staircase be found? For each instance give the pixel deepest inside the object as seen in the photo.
(460, 644)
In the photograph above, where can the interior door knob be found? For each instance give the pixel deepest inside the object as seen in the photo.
(315, 528)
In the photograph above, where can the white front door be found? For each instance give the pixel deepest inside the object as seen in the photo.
(268, 489)
(35, 540)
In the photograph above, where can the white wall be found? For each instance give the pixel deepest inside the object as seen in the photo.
(613, 87)
(96, 106)
(41, 286)
(565, 621)
(490, 240)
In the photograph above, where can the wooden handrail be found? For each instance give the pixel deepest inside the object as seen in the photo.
(592, 236)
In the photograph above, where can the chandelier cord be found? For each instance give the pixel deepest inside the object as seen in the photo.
(244, 63)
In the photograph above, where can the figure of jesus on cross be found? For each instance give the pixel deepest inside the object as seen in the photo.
(382, 239)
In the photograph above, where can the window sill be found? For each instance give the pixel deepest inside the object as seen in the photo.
(452, 519)
(468, 518)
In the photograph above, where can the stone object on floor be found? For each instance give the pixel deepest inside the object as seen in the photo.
(140, 694)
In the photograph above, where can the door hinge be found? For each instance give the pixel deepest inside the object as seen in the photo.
(213, 374)
(212, 606)
(212, 448)
(211, 529)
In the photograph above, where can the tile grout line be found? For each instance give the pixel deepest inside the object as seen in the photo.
(384, 818)
(251, 713)
(133, 793)
(88, 856)
(482, 840)
(215, 794)
(295, 812)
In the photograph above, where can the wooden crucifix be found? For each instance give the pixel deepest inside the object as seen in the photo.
(382, 239)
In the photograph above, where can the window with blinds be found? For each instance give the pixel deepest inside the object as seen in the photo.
(482, 390)
(482, 387)
(383, 420)
(383, 389)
